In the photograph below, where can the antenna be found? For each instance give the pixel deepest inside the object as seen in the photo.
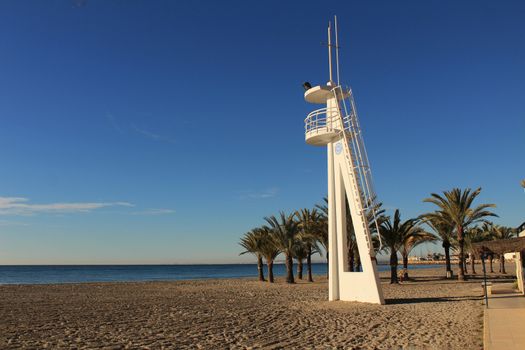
(330, 49)
(336, 50)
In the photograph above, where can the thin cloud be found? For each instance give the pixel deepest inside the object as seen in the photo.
(133, 128)
(155, 211)
(22, 206)
(12, 223)
(113, 123)
(268, 193)
(151, 135)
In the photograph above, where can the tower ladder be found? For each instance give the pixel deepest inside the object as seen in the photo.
(357, 160)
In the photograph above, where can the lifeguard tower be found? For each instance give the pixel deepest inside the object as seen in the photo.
(336, 126)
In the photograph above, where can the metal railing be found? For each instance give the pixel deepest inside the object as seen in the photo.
(358, 160)
(321, 120)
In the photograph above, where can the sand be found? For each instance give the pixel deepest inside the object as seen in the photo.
(428, 313)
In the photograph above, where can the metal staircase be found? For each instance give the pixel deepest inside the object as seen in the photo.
(357, 162)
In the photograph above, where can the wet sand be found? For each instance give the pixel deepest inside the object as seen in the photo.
(428, 313)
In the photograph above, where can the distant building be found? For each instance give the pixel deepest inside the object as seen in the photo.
(429, 257)
(412, 259)
(521, 230)
(509, 256)
(509, 248)
(438, 257)
(521, 233)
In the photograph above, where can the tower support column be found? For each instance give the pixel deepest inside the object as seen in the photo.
(340, 210)
(333, 260)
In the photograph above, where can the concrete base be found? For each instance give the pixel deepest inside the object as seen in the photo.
(489, 288)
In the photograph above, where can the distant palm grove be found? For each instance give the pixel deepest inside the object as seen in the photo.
(456, 222)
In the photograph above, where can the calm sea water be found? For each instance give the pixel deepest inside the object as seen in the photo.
(43, 274)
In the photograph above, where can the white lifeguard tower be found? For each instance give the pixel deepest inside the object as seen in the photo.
(349, 176)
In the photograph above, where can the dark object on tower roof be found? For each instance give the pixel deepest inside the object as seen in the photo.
(307, 86)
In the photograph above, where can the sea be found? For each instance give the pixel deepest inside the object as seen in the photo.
(58, 274)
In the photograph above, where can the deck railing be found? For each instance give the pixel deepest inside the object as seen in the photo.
(321, 121)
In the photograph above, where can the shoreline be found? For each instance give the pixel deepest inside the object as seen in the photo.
(400, 263)
(38, 274)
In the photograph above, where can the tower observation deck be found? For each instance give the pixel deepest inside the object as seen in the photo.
(323, 125)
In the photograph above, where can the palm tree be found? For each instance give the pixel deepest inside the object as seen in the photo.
(352, 250)
(444, 231)
(322, 233)
(488, 229)
(455, 207)
(491, 260)
(285, 230)
(394, 234)
(374, 217)
(374, 214)
(417, 237)
(268, 249)
(251, 241)
(309, 222)
(502, 232)
(300, 253)
(353, 261)
(474, 235)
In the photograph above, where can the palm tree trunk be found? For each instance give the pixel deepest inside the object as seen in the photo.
(270, 271)
(260, 268)
(461, 263)
(351, 260)
(473, 263)
(327, 266)
(393, 267)
(502, 264)
(300, 269)
(289, 269)
(446, 246)
(405, 266)
(490, 260)
(309, 263)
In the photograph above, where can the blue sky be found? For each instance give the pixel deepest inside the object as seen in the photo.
(160, 131)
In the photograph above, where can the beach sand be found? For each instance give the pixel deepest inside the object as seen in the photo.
(429, 313)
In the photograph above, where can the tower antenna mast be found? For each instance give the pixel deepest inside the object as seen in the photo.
(336, 50)
(330, 49)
